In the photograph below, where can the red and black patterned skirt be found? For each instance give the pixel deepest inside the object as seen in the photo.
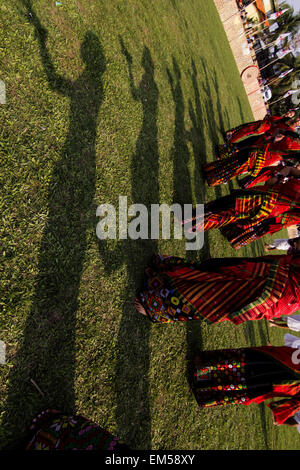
(234, 376)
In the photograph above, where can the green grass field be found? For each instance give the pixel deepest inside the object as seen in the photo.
(109, 99)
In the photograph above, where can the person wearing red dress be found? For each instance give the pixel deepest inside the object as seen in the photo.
(253, 154)
(269, 123)
(250, 375)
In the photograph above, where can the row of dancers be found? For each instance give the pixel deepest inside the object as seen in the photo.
(226, 289)
(241, 289)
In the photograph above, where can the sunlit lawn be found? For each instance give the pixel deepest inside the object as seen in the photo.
(109, 99)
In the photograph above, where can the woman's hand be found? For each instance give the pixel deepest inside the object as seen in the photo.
(278, 137)
(274, 421)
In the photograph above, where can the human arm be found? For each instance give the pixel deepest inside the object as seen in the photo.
(289, 171)
(283, 173)
(134, 90)
(275, 136)
(56, 81)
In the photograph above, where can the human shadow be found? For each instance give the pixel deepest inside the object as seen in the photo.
(263, 418)
(182, 190)
(221, 114)
(47, 353)
(182, 184)
(202, 119)
(249, 331)
(211, 121)
(207, 119)
(131, 381)
(196, 133)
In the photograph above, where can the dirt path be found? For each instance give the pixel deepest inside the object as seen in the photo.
(233, 26)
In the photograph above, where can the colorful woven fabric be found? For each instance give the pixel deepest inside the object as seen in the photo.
(216, 220)
(255, 206)
(285, 409)
(222, 171)
(53, 430)
(287, 145)
(248, 375)
(249, 209)
(239, 236)
(264, 175)
(176, 290)
(221, 380)
(250, 128)
(251, 160)
(254, 212)
(258, 160)
(268, 126)
(226, 151)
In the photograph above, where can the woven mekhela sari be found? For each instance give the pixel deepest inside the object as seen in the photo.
(283, 147)
(234, 289)
(248, 375)
(247, 209)
(228, 149)
(52, 430)
(249, 160)
(252, 128)
(264, 175)
(240, 236)
(287, 145)
(269, 125)
(290, 143)
(248, 214)
(225, 151)
(277, 208)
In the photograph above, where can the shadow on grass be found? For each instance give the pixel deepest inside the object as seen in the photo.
(182, 181)
(263, 418)
(133, 355)
(203, 118)
(182, 190)
(249, 331)
(215, 123)
(262, 327)
(47, 353)
(208, 86)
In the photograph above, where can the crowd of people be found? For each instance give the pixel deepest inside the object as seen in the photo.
(267, 154)
(227, 289)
